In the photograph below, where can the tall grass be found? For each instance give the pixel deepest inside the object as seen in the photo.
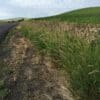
(78, 57)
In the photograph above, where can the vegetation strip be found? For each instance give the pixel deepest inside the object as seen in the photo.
(75, 54)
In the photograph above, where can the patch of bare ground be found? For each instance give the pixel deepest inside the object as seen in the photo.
(34, 76)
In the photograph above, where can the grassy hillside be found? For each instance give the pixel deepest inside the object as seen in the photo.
(86, 15)
(72, 47)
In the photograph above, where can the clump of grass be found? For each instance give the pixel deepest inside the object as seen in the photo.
(3, 72)
(3, 90)
(78, 57)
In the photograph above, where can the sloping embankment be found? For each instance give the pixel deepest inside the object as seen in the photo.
(32, 76)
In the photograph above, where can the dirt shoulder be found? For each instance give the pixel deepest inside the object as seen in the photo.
(33, 76)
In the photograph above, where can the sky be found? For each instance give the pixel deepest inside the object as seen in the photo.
(41, 8)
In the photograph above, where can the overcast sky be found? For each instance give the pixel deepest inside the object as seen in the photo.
(41, 8)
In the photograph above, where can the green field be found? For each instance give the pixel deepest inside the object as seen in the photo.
(86, 15)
